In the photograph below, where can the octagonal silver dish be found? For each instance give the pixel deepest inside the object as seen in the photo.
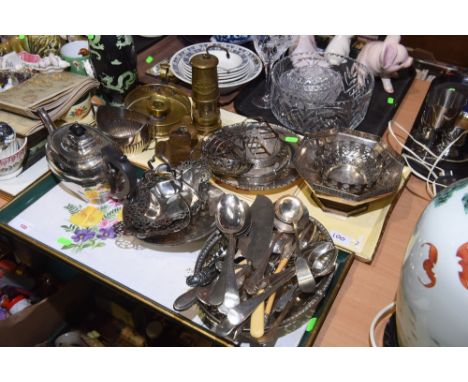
(350, 166)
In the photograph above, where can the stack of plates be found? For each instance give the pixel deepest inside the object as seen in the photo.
(241, 67)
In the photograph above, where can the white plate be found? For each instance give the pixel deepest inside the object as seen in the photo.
(188, 77)
(234, 63)
(237, 77)
(239, 56)
(181, 58)
(238, 73)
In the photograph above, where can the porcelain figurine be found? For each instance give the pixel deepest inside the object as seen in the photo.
(340, 45)
(384, 58)
(24, 61)
(304, 44)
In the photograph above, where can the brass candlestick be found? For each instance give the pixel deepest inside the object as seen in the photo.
(205, 92)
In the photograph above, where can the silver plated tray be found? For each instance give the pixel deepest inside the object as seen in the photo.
(263, 172)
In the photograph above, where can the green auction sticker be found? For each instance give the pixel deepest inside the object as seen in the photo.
(390, 100)
(311, 324)
(149, 59)
(22, 36)
(90, 37)
(64, 241)
(291, 139)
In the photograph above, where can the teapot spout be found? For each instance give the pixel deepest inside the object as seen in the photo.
(45, 118)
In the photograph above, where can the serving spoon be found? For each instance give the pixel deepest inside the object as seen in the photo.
(232, 216)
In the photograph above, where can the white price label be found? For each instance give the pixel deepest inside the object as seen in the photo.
(346, 241)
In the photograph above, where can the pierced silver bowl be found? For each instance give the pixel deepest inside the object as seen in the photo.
(352, 166)
(166, 199)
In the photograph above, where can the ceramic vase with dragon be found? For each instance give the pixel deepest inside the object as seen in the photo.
(114, 62)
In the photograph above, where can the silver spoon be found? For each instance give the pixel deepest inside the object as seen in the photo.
(242, 311)
(290, 210)
(325, 264)
(308, 235)
(318, 249)
(324, 254)
(231, 218)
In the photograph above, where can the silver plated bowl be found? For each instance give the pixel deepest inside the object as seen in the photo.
(129, 129)
(349, 165)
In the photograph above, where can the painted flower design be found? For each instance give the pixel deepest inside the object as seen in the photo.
(106, 233)
(82, 235)
(106, 223)
(91, 226)
(87, 217)
(79, 111)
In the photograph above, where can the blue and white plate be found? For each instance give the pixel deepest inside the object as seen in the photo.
(231, 38)
(239, 56)
(248, 65)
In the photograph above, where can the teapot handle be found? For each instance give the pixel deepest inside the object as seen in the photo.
(46, 120)
(119, 162)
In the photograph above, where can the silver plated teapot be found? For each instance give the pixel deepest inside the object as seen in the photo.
(87, 162)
